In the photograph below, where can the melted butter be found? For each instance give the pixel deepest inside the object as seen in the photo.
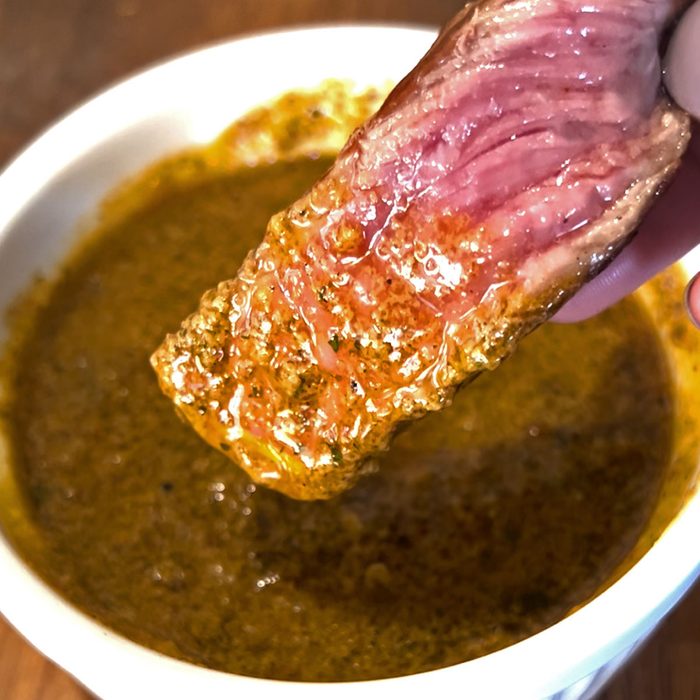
(485, 523)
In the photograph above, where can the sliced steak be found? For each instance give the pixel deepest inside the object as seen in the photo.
(502, 173)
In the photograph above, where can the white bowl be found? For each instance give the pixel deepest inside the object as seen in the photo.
(59, 179)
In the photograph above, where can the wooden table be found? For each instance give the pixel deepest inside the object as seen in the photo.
(54, 53)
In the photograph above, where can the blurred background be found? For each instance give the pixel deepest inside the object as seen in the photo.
(56, 53)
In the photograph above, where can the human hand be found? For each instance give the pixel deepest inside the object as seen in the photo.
(672, 227)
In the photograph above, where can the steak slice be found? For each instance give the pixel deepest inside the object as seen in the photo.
(503, 172)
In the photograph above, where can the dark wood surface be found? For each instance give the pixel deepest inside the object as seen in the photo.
(55, 53)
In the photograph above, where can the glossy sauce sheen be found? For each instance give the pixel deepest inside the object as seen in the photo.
(484, 524)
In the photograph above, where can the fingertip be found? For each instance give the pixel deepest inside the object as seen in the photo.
(692, 299)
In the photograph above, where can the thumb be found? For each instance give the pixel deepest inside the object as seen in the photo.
(682, 69)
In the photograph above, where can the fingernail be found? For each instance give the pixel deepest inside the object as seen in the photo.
(692, 299)
(682, 69)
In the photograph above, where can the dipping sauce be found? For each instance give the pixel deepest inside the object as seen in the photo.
(484, 523)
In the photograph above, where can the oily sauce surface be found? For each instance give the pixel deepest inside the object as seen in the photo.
(484, 523)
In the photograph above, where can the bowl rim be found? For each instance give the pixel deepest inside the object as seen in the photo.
(539, 665)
